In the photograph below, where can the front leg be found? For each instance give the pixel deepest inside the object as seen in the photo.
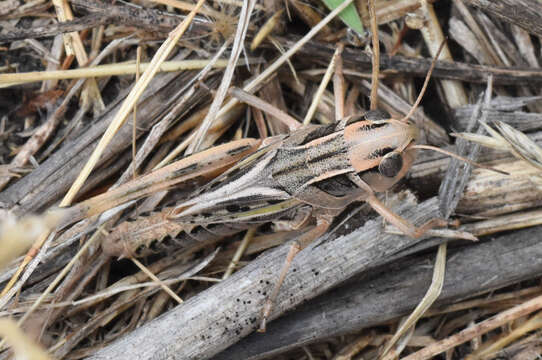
(401, 223)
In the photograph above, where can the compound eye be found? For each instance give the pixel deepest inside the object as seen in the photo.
(391, 164)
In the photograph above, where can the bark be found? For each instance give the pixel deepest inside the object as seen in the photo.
(230, 310)
(386, 293)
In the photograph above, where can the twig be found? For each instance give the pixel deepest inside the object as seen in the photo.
(393, 65)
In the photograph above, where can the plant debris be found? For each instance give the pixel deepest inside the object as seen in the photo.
(108, 109)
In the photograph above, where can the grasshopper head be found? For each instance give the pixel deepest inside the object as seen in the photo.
(380, 149)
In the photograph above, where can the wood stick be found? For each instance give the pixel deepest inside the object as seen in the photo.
(196, 329)
(386, 293)
(392, 65)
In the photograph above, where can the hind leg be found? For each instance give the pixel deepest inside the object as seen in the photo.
(299, 244)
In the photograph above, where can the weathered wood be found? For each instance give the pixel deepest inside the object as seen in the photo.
(392, 291)
(522, 121)
(82, 23)
(226, 312)
(458, 172)
(487, 193)
(401, 65)
(526, 14)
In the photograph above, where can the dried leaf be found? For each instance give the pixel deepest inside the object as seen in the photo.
(527, 149)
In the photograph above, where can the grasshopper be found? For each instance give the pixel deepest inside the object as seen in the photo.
(317, 171)
(305, 178)
(310, 175)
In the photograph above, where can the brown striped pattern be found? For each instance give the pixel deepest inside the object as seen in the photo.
(294, 167)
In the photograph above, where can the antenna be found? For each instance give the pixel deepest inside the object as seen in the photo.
(459, 157)
(376, 56)
(426, 81)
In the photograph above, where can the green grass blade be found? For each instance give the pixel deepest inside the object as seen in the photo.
(349, 15)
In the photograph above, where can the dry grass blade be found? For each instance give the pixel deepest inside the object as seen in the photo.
(508, 138)
(104, 70)
(321, 88)
(242, 27)
(157, 281)
(239, 252)
(265, 30)
(522, 145)
(488, 350)
(429, 298)
(128, 284)
(160, 56)
(504, 223)
(477, 330)
(181, 5)
(484, 140)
